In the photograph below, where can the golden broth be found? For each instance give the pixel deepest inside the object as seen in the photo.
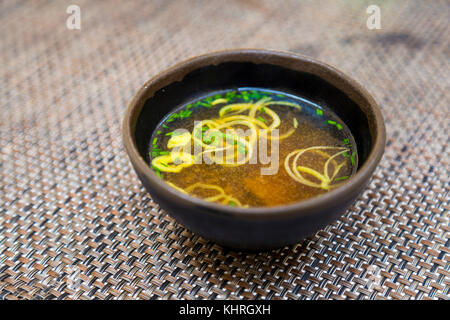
(316, 153)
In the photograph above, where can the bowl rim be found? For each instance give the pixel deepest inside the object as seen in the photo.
(361, 177)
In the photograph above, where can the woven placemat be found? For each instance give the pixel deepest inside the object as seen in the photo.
(76, 223)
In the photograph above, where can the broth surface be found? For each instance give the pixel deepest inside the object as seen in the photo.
(313, 137)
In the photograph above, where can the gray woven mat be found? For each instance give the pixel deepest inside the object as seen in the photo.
(76, 223)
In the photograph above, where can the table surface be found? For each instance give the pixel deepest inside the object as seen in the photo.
(75, 221)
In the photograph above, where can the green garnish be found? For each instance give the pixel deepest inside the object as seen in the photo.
(352, 158)
(295, 123)
(230, 95)
(185, 114)
(341, 178)
(319, 112)
(154, 140)
(261, 119)
(339, 126)
(331, 122)
(232, 204)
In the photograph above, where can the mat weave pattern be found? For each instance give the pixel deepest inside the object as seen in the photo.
(75, 221)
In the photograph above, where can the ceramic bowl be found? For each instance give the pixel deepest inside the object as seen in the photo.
(262, 227)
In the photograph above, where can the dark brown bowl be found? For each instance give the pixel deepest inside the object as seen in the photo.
(265, 227)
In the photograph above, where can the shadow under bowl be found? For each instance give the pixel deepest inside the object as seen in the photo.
(261, 227)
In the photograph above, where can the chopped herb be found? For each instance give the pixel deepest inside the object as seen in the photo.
(169, 133)
(232, 204)
(165, 127)
(339, 126)
(331, 122)
(261, 119)
(158, 132)
(164, 153)
(230, 95)
(341, 178)
(346, 141)
(352, 158)
(154, 140)
(263, 109)
(295, 123)
(345, 154)
(185, 114)
(189, 106)
(319, 112)
(158, 173)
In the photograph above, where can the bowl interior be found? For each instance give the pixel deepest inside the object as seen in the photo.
(229, 75)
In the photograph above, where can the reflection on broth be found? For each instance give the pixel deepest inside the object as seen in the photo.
(253, 148)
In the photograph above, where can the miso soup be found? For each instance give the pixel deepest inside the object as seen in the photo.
(252, 147)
